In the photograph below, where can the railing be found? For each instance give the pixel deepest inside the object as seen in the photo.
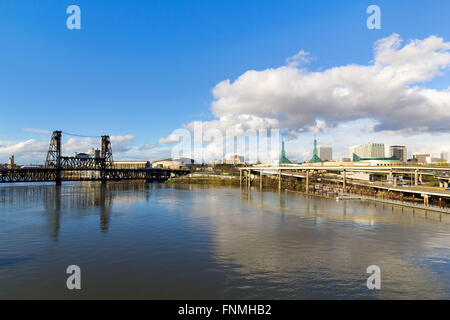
(408, 204)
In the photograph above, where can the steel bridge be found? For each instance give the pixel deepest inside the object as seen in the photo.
(60, 168)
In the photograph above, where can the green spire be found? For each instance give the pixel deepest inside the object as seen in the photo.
(315, 147)
(283, 159)
(315, 158)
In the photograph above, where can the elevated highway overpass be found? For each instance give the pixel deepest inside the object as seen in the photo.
(342, 176)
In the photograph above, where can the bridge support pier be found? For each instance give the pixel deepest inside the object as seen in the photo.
(344, 180)
(58, 177)
(426, 200)
(279, 180)
(416, 177)
(307, 182)
(260, 180)
(240, 178)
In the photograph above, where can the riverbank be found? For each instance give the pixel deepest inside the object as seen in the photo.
(232, 179)
(206, 178)
(316, 189)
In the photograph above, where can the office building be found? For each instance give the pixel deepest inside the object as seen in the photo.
(433, 160)
(421, 158)
(374, 150)
(358, 150)
(326, 153)
(180, 163)
(398, 152)
(234, 159)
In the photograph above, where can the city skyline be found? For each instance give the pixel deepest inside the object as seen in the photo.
(143, 90)
(231, 150)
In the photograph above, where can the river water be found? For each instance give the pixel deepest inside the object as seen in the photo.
(138, 241)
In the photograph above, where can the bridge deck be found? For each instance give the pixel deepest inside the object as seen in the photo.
(86, 174)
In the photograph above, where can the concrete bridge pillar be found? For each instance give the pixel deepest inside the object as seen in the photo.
(416, 177)
(441, 184)
(260, 180)
(307, 181)
(426, 200)
(344, 179)
(279, 180)
(240, 178)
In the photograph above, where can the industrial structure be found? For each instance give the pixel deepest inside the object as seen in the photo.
(180, 163)
(83, 167)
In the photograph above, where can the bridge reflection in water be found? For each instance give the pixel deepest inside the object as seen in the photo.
(82, 198)
(220, 242)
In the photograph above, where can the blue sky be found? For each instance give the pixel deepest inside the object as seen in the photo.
(144, 68)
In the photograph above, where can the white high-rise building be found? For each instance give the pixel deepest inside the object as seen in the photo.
(374, 150)
(325, 153)
(358, 150)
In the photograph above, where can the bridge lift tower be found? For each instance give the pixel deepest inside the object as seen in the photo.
(55, 160)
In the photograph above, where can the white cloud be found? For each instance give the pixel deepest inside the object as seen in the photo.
(30, 147)
(387, 90)
(300, 58)
(34, 130)
(35, 151)
(384, 99)
(172, 138)
(148, 146)
(122, 143)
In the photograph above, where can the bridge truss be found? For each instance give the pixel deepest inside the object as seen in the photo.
(60, 168)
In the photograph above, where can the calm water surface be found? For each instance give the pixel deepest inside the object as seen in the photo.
(142, 241)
